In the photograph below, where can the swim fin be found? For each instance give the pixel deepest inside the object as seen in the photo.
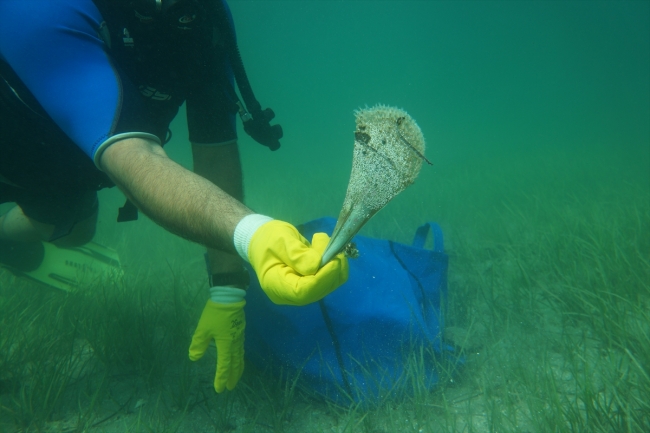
(72, 268)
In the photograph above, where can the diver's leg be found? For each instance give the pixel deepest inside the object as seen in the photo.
(16, 226)
(64, 217)
(20, 237)
(221, 165)
(82, 232)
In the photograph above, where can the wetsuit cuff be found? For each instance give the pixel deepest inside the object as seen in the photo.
(117, 137)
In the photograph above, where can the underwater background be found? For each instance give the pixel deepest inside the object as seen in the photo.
(536, 116)
(512, 98)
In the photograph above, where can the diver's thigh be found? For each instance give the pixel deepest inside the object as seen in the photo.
(65, 217)
(16, 226)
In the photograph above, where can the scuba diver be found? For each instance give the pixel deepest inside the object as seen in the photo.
(88, 89)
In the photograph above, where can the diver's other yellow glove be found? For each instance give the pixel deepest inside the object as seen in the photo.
(224, 322)
(286, 264)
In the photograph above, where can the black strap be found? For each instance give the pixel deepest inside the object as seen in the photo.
(337, 347)
(240, 279)
(236, 62)
(408, 271)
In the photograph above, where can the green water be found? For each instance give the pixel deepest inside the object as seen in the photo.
(536, 116)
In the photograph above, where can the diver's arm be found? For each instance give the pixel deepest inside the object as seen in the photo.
(177, 199)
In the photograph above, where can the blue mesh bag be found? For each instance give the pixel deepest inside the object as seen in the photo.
(351, 346)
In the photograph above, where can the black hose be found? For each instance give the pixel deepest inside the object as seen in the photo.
(228, 32)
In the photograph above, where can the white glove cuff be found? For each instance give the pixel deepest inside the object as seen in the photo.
(226, 295)
(245, 230)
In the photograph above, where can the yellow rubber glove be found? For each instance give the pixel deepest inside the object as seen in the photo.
(225, 323)
(287, 266)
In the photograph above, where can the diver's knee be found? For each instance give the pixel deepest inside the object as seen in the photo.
(75, 239)
(85, 235)
(82, 233)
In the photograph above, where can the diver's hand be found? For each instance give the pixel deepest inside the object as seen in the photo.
(286, 264)
(260, 128)
(224, 322)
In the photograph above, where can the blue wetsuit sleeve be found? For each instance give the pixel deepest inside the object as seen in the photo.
(55, 49)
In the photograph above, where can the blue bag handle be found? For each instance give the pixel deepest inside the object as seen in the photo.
(421, 237)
